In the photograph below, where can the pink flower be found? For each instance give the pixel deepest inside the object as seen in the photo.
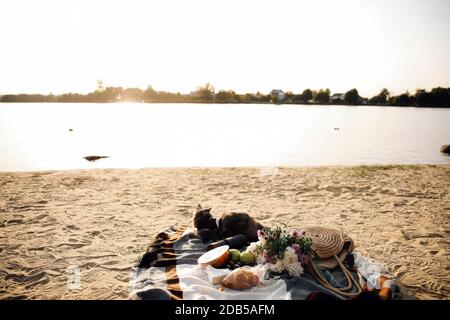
(297, 248)
(303, 259)
(297, 233)
(261, 235)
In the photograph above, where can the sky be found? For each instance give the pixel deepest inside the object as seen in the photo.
(176, 45)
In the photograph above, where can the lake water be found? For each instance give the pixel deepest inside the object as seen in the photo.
(137, 135)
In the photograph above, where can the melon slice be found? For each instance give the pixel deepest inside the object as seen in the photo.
(216, 257)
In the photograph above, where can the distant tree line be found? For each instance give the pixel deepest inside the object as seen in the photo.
(437, 97)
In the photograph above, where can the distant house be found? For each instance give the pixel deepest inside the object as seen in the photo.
(277, 95)
(337, 98)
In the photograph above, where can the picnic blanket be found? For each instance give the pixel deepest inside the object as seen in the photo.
(169, 271)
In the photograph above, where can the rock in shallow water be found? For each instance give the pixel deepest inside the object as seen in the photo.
(445, 149)
(94, 158)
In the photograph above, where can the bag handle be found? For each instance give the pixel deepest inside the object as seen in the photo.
(341, 291)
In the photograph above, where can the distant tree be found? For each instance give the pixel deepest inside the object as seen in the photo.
(51, 97)
(289, 97)
(228, 96)
(263, 97)
(26, 98)
(132, 94)
(351, 97)
(306, 96)
(149, 94)
(441, 97)
(236, 97)
(9, 98)
(205, 93)
(404, 99)
(222, 96)
(437, 97)
(104, 95)
(380, 98)
(423, 98)
(114, 94)
(322, 96)
(71, 97)
(247, 98)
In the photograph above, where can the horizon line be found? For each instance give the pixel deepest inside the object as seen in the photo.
(220, 90)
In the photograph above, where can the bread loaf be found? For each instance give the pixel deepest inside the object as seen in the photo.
(241, 279)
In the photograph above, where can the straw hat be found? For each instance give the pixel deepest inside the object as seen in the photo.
(326, 242)
(331, 247)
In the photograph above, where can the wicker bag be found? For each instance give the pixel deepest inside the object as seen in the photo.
(331, 247)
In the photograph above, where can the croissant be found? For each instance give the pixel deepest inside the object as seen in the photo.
(241, 279)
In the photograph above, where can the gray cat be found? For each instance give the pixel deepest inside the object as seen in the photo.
(230, 224)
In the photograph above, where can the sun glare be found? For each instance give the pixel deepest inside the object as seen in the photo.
(245, 46)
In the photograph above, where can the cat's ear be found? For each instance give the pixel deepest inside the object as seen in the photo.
(208, 209)
(199, 207)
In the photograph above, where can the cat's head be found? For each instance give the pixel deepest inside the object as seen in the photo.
(203, 219)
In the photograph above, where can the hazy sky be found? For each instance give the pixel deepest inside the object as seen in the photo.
(60, 46)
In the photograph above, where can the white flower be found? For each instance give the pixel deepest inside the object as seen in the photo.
(291, 264)
(278, 267)
(252, 247)
(260, 259)
(294, 269)
(290, 256)
(290, 251)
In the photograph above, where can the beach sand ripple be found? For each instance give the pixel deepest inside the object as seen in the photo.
(94, 224)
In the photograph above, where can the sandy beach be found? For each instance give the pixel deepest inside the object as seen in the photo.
(102, 220)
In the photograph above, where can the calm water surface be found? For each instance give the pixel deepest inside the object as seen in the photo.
(134, 135)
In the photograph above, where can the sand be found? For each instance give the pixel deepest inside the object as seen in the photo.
(101, 221)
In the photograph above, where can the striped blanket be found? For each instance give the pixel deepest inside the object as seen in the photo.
(169, 271)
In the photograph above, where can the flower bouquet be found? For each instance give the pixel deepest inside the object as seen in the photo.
(282, 251)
